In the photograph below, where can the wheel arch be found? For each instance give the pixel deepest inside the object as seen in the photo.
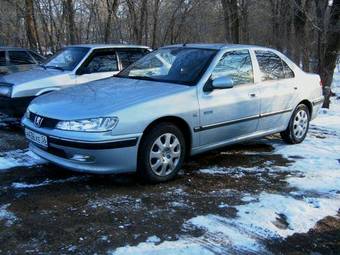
(308, 104)
(180, 123)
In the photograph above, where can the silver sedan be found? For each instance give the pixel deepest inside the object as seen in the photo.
(178, 101)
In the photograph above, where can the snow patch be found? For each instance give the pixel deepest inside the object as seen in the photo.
(316, 171)
(23, 185)
(8, 217)
(18, 158)
(153, 239)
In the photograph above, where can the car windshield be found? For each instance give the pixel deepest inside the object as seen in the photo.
(67, 58)
(180, 65)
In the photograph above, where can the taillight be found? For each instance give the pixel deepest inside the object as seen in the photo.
(321, 84)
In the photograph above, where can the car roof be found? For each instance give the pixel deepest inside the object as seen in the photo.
(105, 46)
(216, 46)
(3, 48)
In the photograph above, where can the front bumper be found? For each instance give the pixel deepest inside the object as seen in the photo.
(15, 107)
(116, 155)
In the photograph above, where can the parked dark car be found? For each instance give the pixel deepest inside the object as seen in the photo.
(18, 59)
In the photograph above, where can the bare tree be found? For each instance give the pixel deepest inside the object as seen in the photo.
(328, 62)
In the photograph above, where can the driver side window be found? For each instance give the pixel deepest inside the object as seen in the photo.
(102, 61)
(237, 65)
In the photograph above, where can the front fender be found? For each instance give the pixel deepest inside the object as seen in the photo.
(47, 90)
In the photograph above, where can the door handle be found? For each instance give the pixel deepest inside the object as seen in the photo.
(252, 95)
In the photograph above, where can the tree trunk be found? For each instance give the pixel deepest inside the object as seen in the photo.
(30, 30)
(331, 49)
(112, 6)
(155, 23)
(70, 23)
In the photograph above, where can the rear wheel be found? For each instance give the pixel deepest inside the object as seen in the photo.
(298, 126)
(161, 153)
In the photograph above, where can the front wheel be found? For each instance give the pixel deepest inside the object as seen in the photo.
(161, 153)
(298, 126)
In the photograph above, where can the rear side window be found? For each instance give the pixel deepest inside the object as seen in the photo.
(37, 57)
(288, 72)
(270, 65)
(102, 61)
(20, 58)
(127, 57)
(237, 65)
(2, 58)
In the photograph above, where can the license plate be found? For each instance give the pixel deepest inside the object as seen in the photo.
(36, 138)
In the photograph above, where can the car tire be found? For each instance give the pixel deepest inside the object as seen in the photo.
(161, 153)
(298, 125)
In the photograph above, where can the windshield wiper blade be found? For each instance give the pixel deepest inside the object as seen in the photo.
(56, 67)
(141, 78)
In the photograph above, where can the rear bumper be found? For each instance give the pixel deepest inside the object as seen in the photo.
(15, 107)
(316, 103)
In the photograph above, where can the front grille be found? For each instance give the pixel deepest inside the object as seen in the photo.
(46, 122)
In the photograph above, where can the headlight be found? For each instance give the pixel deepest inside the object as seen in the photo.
(6, 89)
(89, 125)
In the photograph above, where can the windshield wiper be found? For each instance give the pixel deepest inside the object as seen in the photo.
(56, 67)
(147, 78)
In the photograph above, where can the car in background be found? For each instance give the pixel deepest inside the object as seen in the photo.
(70, 66)
(18, 59)
(177, 101)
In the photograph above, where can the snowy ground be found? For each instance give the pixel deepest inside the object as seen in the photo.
(314, 177)
(245, 199)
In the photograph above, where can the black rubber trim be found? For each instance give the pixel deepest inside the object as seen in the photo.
(94, 146)
(264, 115)
(227, 123)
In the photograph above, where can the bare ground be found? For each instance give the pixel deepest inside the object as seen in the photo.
(56, 211)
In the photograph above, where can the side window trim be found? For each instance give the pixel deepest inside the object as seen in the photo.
(25, 52)
(31, 55)
(251, 62)
(259, 68)
(285, 63)
(120, 62)
(88, 58)
(5, 58)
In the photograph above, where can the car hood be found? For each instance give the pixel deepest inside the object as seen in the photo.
(100, 98)
(30, 75)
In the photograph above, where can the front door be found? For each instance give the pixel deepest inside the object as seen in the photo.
(99, 65)
(227, 114)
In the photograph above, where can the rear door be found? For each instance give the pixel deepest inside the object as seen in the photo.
(19, 61)
(100, 64)
(227, 114)
(278, 90)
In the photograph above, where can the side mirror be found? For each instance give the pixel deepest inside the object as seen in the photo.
(224, 82)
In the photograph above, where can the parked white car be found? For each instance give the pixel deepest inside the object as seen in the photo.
(70, 66)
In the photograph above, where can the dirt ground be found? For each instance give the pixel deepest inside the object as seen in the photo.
(60, 212)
